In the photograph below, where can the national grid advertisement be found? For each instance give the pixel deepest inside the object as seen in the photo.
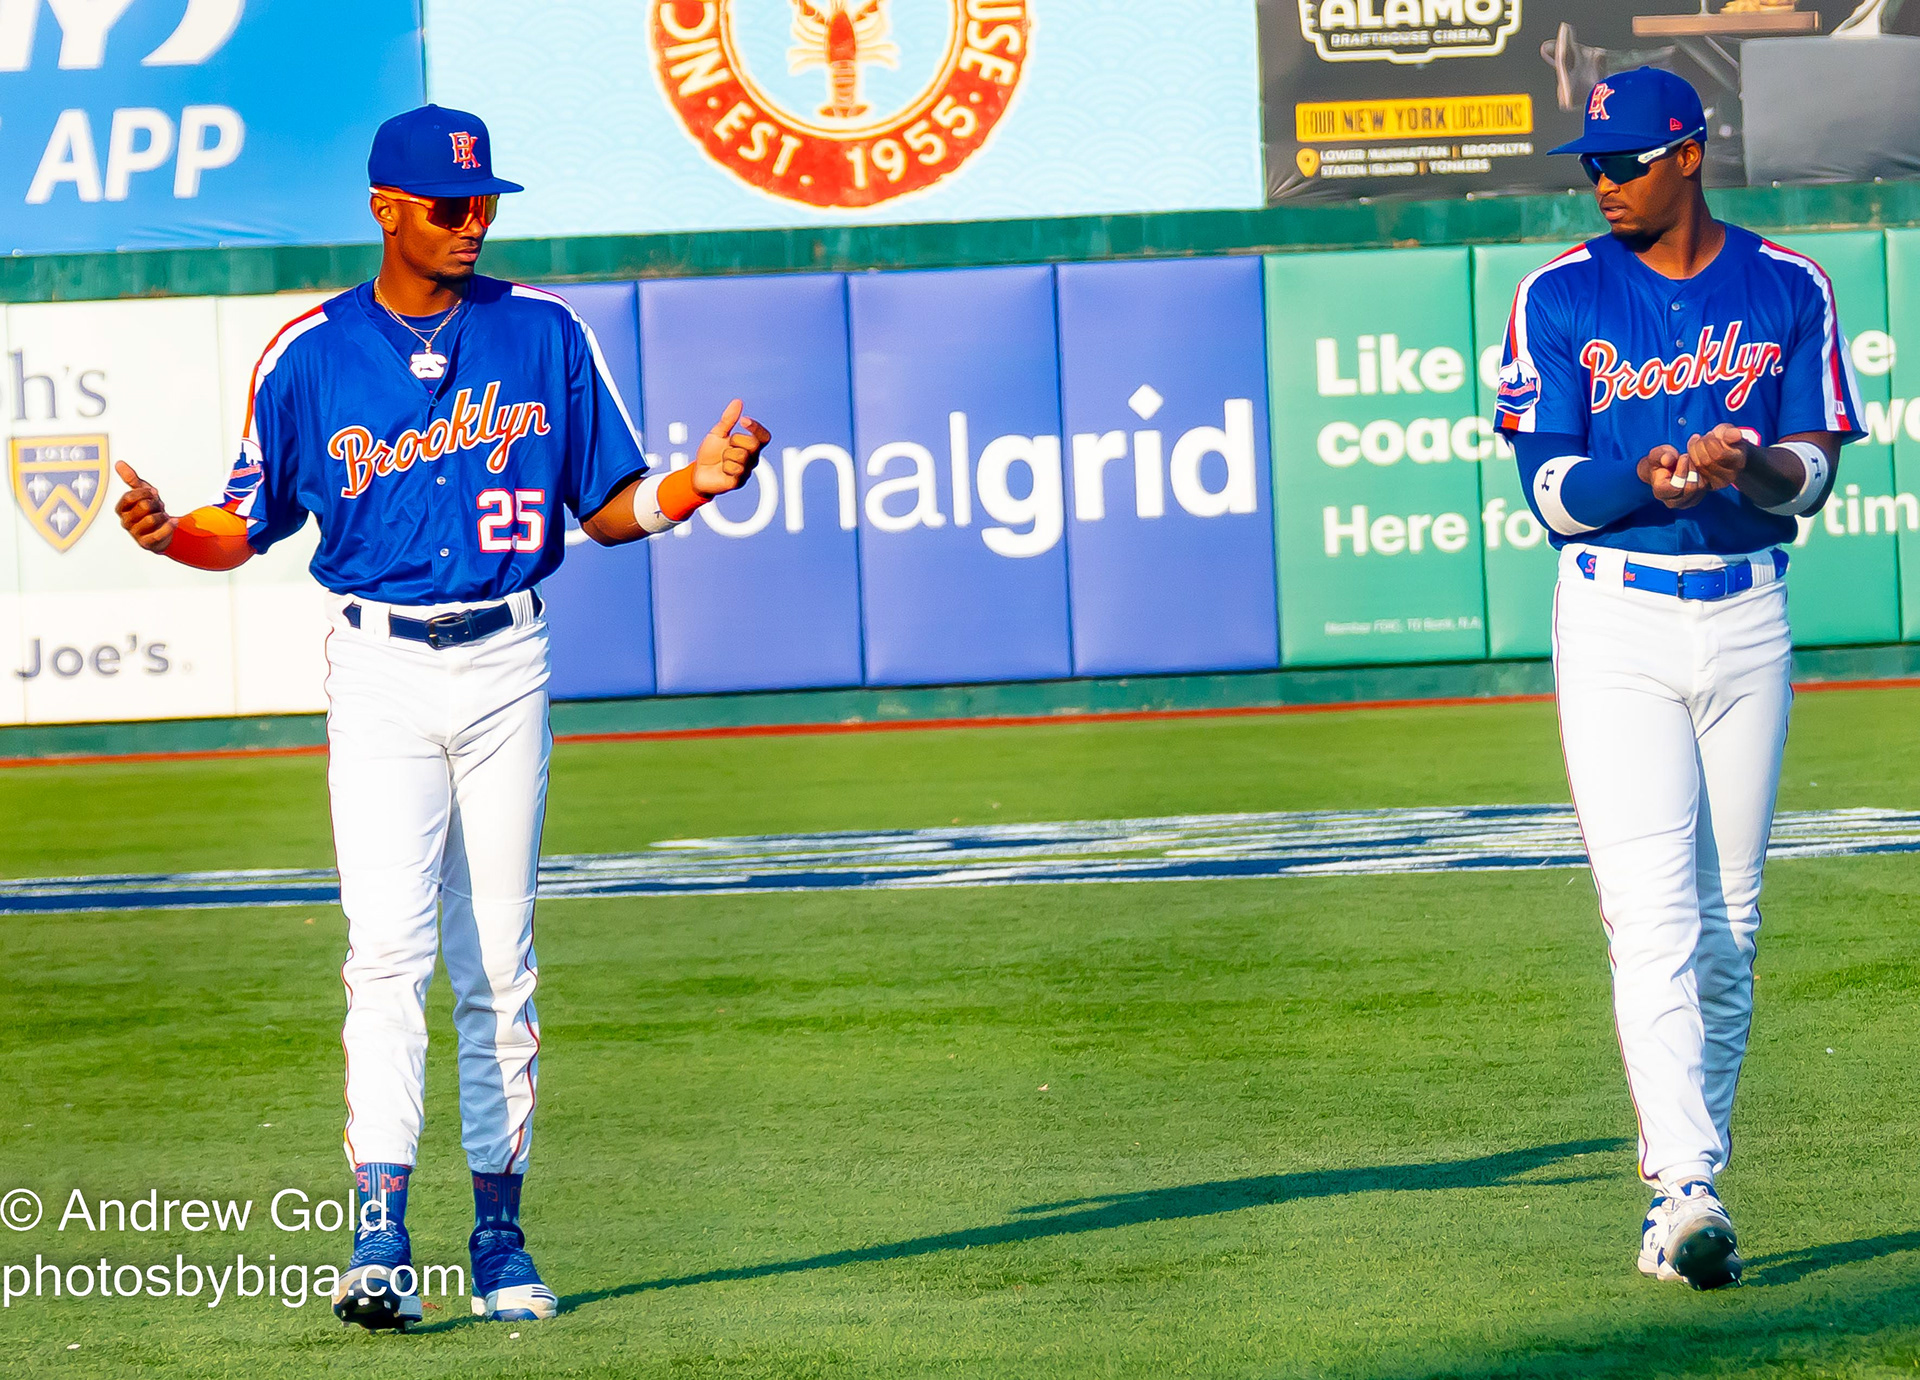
(978, 475)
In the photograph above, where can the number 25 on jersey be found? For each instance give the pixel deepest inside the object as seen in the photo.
(511, 520)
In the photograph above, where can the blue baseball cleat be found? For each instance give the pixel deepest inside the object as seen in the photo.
(506, 1287)
(380, 1290)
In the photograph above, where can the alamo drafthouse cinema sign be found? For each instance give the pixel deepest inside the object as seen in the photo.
(1407, 31)
(839, 103)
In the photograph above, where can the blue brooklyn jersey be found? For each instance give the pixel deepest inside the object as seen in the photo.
(437, 491)
(1603, 349)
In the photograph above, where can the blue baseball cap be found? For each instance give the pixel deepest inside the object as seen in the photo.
(434, 151)
(1631, 112)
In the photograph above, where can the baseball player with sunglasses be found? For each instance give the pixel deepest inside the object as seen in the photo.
(1677, 392)
(435, 422)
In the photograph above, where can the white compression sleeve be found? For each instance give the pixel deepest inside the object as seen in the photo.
(1546, 494)
(1813, 489)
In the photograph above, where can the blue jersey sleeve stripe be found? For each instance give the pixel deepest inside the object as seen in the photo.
(1837, 377)
(593, 344)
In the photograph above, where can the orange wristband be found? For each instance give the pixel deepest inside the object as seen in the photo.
(679, 500)
(210, 539)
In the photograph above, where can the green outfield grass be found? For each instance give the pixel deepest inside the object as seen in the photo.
(1368, 1127)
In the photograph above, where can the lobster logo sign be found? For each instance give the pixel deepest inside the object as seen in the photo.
(840, 103)
(841, 38)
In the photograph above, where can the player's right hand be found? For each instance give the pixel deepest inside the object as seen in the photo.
(1666, 471)
(142, 513)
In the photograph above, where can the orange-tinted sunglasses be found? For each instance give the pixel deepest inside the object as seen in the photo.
(452, 212)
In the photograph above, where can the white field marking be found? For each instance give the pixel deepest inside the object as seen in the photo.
(1479, 838)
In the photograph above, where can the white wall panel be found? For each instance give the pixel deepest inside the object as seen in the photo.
(279, 618)
(157, 653)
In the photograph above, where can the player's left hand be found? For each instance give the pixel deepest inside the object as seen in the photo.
(726, 457)
(1660, 469)
(1719, 456)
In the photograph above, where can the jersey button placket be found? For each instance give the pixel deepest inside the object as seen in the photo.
(442, 577)
(1680, 343)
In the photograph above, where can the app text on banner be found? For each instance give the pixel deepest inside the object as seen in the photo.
(146, 124)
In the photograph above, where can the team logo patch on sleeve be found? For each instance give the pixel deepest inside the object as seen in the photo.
(1519, 387)
(60, 482)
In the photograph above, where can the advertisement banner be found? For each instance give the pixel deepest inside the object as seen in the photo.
(782, 556)
(1170, 545)
(1844, 585)
(956, 416)
(1521, 563)
(1443, 97)
(643, 116)
(600, 600)
(1377, 445)
(1901, 422)
(108, 631)
(155, 124)
(23, 501)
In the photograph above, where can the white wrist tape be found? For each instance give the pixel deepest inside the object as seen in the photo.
(1546, 495)
(646, 506)
(1814, 460)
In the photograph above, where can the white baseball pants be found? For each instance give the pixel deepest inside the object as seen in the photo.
(438, 774)
(1673, 716)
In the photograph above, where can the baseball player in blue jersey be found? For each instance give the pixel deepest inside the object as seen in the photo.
(1677, 393)
(436, 423)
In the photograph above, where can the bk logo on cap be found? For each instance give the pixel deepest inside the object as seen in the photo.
(463, 156)
(1597, 103)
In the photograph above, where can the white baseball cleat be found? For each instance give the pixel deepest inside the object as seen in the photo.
(506, 1286)
(1688, 1236)
(517, 1303)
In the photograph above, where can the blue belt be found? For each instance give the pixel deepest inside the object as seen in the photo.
(1704, 585)
(447, 629)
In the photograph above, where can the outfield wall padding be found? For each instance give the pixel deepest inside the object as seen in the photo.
(1163, 467)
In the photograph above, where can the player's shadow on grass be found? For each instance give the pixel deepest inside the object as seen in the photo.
(1790, 1267)
(1160, 1205)
(1863, 1324)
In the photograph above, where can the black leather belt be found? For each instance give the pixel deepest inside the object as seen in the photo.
(447, 629)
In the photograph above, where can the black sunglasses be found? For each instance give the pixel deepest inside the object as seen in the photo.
(1622, 168)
